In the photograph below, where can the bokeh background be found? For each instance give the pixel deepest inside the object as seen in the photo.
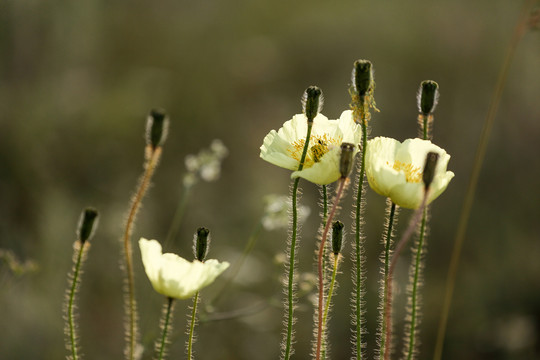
(78, 78)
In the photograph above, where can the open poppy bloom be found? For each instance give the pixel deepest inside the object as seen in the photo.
(395, 169)
(321, 166)
(174, 276)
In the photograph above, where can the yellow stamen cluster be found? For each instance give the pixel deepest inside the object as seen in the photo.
(320, 145)
(412, 174)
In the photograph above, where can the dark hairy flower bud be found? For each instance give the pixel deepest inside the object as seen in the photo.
(428, 97)
(346, 159)
(362, 76)
(201, 243)
(157, 127)
(312, 102)
(87, 224)
(337, 236)
(429, 168)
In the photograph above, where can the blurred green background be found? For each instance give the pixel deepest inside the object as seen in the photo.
(78, 78)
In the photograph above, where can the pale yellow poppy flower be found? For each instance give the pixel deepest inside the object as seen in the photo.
(395, 169)
(284, 147)
(175, 277)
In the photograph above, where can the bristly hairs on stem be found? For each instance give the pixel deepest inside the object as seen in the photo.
(157, 125)
(165, 324)
(387, 241)
(427, 177)
(337, 244)
(85, 231)
(345, 167)
(362, 99)
(428, 98)
(523, 24)
(311, 106)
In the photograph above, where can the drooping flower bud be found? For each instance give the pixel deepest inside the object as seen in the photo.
(337, 236)
(428, 97)
(429, 168)
(202, 241)
(312, 102)
(362, 77)
(87, 224)
(157, 127)
(346, 160)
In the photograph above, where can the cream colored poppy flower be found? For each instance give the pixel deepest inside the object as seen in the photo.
(284, 147)
(174, 276)
(395, 169)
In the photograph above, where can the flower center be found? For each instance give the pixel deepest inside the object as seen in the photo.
(412, 174)
(319, 145)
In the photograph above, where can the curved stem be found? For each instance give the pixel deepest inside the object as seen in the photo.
(339, 193)
(135, 205)
(165, 328)
(292, 251)
(385, 324)
(192, 327)
(519, 31)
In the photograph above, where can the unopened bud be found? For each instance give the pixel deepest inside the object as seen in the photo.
(87, 224)
(337, 236)
(202, 241)
(312, 102)
(429, 168)
(428, 97)
(362, 76)
(157, 127)
(346, 159)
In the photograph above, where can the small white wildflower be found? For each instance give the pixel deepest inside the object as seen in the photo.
(276, 212)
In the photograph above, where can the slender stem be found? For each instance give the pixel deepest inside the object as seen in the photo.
(359, 260)
(135, 205)
(325, 202)
(329, 300)
(165, 327)
(519, 31)
(192, 326)
(388, 281)
(292, 251)
(178, 215)
(339, 193)
(385, 341)
(414, 292)
(70, 310)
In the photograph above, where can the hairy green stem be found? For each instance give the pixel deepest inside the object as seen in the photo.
(292, 251)
(166, 321)
(320, 324)
(192, 326)
(386, 325)
(359, 260)
(414, 292)
(329, 300)
(70, 309)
